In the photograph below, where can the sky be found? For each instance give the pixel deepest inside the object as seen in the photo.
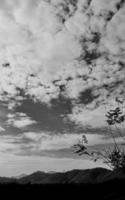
(62, 65)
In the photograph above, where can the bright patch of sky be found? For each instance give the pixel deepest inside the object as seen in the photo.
(14, 165)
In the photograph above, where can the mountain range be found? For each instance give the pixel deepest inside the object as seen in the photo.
(88, 176)
(96, 183)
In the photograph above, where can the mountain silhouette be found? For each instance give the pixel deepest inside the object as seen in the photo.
(97, 183)
(88, 176)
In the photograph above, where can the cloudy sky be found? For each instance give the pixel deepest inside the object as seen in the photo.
(62, 64)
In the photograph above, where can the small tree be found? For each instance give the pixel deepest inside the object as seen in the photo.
(115, 157)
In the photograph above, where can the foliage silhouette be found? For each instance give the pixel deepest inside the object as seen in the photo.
(115, 157)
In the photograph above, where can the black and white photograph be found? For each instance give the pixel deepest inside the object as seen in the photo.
(62, 97)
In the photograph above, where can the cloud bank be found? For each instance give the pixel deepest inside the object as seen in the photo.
(48, 144)
(75, 49)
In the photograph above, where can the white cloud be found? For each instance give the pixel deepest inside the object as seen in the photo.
(39, 142)
(1, 129)
(32, 143)
(8, 144)
(42, 42)
(23, 122)
(19, 120)
(47, 141)
(83, 116)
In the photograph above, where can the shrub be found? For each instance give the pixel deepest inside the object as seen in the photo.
(113, 157)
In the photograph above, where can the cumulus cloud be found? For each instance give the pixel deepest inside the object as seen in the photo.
(19, 120)
(70, 48)
(83, 116)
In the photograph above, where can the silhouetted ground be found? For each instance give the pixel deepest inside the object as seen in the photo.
(97, 183)
(112, 190)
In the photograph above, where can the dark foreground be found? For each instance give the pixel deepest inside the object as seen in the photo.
(112, 190)
(99, 183)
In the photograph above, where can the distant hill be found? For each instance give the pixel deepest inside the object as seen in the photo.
(97, 183)
(88, 176)
(73, 176)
